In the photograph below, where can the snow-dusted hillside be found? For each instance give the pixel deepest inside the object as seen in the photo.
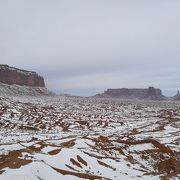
(16, 90)
(82, 138)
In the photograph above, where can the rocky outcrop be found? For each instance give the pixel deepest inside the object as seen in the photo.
(10, 75)
(177, 97)
(154, 94)
(124, 93)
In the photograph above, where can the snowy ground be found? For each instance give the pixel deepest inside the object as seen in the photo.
(85, 138)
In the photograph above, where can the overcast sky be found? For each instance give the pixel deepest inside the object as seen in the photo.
(85, 46)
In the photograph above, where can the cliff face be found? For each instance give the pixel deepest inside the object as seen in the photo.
(124, 93)
(10, 75)
(154, 94)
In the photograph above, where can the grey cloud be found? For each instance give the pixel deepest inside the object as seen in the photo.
(93, 44)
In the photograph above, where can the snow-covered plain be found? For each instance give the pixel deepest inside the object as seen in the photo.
(86, 138)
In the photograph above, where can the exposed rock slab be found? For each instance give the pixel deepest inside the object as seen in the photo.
(10, 75)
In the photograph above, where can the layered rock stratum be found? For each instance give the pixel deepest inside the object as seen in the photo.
(10, 75)
(18, 82)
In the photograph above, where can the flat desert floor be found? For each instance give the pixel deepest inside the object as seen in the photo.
(53, 138)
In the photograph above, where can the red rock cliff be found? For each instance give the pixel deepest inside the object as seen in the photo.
(10, 75)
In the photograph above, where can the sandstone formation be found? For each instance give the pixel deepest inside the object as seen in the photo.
(124, 93)
(177, 97)
(10, 75)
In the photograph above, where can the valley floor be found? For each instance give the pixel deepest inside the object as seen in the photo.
(44, 138)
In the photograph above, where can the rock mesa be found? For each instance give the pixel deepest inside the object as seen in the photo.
(150, 93)
(10, 75)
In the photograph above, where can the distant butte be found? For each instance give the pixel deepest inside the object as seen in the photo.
(150, 93)
(177, 97)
